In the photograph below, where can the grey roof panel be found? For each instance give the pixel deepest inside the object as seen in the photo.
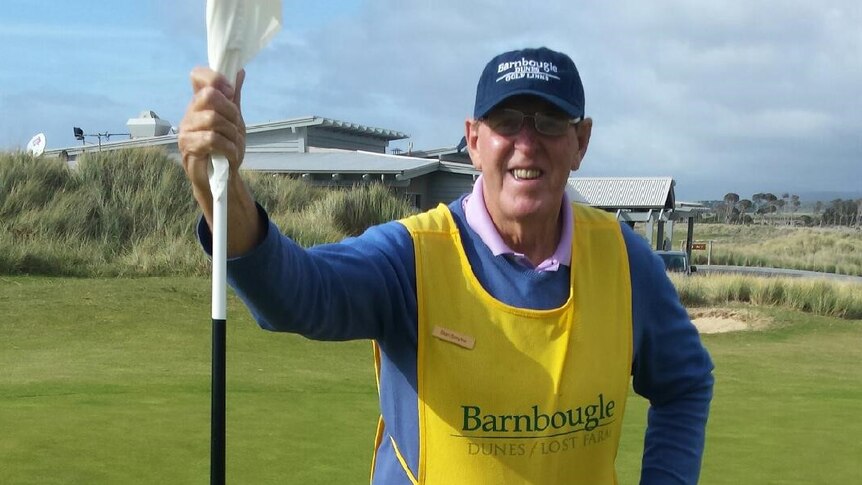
(625, 192)
(337, 161)
(355, 128)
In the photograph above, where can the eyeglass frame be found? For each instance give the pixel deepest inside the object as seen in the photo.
(570, 121)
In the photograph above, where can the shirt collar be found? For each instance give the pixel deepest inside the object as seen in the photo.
(480, 221)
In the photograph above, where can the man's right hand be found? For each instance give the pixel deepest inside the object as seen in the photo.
(213, 123)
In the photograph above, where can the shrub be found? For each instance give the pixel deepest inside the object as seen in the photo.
(353, 211)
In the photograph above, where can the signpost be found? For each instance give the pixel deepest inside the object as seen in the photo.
(700, 246)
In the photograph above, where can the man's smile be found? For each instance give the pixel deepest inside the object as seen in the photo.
(526, 173)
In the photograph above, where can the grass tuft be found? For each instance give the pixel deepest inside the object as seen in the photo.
(818, 296)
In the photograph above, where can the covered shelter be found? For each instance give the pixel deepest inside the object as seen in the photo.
(647, 200)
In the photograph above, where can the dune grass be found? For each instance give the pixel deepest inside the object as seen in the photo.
(131, 213)
(106, 381)
(811, 295)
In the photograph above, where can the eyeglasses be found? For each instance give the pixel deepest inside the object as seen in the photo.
(508, 122)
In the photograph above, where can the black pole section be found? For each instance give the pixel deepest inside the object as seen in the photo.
(689, 238)
(217, 429)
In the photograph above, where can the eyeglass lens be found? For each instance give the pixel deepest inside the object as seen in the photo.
(509, 122)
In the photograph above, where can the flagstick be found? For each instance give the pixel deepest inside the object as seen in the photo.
(219, 324)
(236, 31)
(219, 175)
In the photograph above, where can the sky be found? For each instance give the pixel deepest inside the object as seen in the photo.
(731, 96)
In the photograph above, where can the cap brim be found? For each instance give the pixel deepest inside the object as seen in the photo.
(565, 106)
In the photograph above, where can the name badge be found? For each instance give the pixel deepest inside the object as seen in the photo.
(454, 337)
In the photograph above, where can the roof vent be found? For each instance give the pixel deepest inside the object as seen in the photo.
(148, 124)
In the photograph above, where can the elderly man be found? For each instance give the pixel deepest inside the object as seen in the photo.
(508, 324)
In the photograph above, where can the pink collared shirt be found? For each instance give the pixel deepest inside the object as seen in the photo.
(480, 221)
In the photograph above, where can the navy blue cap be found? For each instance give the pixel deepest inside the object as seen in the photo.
(540, 72)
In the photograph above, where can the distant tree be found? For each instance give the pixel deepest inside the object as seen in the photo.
(763, 203)
(759, 201)
(794, 204)
(744, 205)
(775, 204)
(783, 206)
(730, 200)
(832, 213)
(849, 210)
(779, 204)
(721, 211)
(818, 208)
(841, 213)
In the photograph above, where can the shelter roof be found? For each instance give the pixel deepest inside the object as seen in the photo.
(639, 193)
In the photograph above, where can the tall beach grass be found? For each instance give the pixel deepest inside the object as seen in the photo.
(131, 213)
(818, 296)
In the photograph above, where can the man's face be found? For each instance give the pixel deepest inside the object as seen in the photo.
(525, 173)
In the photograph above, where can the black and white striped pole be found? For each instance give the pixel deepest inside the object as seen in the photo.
(236, 31)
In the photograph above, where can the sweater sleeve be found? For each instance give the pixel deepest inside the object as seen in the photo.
(359, 288)
(671, 369)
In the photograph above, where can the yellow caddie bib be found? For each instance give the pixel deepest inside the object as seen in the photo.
(509, 395)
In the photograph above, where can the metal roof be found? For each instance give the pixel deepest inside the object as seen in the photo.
(170, 139)
(458, 167)
(452, 154)
(623, 192)
(305, 121)
(330, 123)
(338, 161)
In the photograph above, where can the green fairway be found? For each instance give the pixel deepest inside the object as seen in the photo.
(787, 405)
(106, 381)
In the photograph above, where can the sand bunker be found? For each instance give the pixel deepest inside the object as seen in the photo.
(720, 320)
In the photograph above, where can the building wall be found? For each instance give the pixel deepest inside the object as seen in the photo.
(326, 138)
(417, 191)
(444, 187)
(285, 140)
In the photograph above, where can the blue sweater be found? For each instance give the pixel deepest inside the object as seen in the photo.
(365, 288)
